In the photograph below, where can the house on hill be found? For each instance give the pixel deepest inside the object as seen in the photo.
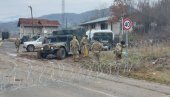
(31, 27)
(102, 24)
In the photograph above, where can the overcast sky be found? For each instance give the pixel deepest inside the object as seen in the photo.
(12, 9)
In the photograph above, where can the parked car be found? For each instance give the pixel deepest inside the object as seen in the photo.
(24, 39)
(58, 46)
(32, 45)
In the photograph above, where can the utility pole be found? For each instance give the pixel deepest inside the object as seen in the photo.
(66, 23)
(32, 20)
(63, 13)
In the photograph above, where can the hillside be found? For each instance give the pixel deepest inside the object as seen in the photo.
(9, 26)
(72, 18)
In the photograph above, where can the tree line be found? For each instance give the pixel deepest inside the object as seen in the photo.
(148, 14)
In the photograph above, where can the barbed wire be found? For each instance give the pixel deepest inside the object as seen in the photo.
(32, 74)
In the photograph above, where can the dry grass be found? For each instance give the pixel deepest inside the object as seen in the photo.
(154, 76)
(151, 63)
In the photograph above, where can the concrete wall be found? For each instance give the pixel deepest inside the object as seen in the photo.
(49, 30)
(110, 26)
(116, 28)
(98, 26)
(37, 30)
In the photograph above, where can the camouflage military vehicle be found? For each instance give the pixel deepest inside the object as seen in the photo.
(57, 46)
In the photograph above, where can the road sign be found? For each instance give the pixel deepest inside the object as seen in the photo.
(127, 24)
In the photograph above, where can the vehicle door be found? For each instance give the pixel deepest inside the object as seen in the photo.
(39, 42)
(63, 39)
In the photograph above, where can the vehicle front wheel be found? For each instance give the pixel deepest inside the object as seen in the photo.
(61, 53)
(30, 48)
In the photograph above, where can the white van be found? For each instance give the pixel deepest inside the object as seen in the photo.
(105, 36)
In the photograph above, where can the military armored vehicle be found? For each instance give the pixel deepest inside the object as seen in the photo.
(106, 37)
(57, 46)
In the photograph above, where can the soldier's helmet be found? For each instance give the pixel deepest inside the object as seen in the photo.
(83, 37)
(122, 42)
(74, 37)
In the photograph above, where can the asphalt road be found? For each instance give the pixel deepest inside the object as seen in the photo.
(79, 86)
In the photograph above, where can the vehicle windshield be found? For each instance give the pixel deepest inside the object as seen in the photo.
(41, 39)
(103, 36)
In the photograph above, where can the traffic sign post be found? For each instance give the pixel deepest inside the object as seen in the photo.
(127, 25)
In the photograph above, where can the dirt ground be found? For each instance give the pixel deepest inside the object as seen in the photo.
(147, 63)
(23, 75)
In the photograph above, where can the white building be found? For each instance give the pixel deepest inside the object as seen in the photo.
(39, 26)
(102, 24)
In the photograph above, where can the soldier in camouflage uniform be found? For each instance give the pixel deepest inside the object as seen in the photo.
(118, 55)
(17, 44)
(84, 46)
(119, 49)
(74, 47)
(96, 50)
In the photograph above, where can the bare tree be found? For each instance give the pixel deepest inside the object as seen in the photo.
(154, 12)
(118, 9)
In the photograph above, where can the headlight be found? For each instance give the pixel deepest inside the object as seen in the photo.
(52, 47)
(42, 48)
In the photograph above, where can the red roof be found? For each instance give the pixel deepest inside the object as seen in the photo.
(37, 22)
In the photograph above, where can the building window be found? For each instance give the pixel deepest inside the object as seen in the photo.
(104, 26)
(93, 26)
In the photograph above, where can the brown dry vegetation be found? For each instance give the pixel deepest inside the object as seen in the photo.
(154, 64)
(151, 63)
(146, 62)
